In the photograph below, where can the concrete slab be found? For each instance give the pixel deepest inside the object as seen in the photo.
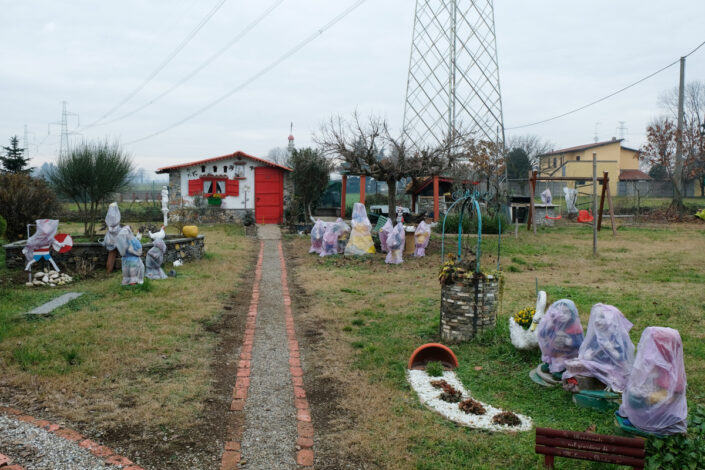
(52, 305)
(269, 232)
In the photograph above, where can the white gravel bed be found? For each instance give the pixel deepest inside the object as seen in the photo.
(421, 382)
(37, 449)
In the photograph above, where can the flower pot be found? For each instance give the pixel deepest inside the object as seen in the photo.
(214, 201)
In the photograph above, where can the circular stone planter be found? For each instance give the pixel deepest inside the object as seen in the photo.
(468, 308)
(432, 352)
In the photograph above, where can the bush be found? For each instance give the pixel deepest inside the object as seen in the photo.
(23, 200)
(3, 225)
(248, 219)
(490, 223)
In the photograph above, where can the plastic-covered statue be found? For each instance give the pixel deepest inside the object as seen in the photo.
(45, 239)
(560, 335)
(384, 234)
(130, 249)
(112, 221)
(571, 197)
(421, 238)
(654, 400)
(360, 242)
(343, 237)
(607, 353)
(525, 338)
(319, 228)
(395, 243)
(155, 259)
(331, 235)
(546, 196)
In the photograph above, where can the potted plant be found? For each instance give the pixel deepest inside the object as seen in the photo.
(215, 199)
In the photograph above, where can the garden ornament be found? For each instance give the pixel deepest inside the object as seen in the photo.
(157, 235)
(332, 235)
(165, 204)
(546, 197)
(43, 241)
(384, 234)
(130, 249)
(571, 197)
(317, 232)
(155, 259)
(654, 400)
(360, 242)
(525, 338)
(395, 243)
(421, 238)
(112, 222)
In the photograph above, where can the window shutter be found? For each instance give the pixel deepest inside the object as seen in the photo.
(195, 187)
(232, 187)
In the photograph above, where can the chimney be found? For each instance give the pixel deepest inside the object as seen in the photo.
(614, 139)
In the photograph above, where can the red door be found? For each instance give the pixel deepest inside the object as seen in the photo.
(269, 195)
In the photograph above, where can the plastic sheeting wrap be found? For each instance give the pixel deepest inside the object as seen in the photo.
(421, 238)
(560, 334)
(384, 234)
(607, 353)
(131, 250)
(344, 236)
(571, 197)
(112, 221)
(546, 197)
(42, 238)
(332, 235)
(395, 243)
(155, 259)
(317, 232)
(360, 242)
(654, 399)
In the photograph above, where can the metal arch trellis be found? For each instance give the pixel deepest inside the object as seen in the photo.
(465, 199)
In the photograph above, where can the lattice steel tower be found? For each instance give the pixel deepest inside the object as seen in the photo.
(453, 72)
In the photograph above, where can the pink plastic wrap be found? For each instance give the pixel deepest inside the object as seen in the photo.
(384, 234)
(395, 243)
(317, 232)
(421, 237)
(655, 396)
(42, 238)
(607, 353)
(360, 241)
(343, 236)
(331, 236)
(546, 196)
(560, 334)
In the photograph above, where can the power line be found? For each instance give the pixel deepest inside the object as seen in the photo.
(257, 75)
(608, 96)
(201, 66)
(184, 42)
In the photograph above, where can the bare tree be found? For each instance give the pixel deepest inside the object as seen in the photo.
(279, 155)
(357, 145)
(533, 145)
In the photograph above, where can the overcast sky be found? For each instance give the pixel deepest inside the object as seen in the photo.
(553, 55)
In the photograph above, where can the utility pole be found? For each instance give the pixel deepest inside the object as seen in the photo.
(64, 145)
(594, 203)
(679, 136)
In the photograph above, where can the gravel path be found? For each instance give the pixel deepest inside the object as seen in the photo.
(37, 449)
(270, 433)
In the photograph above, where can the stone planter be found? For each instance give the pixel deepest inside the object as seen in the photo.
(468, 308)
(95, 256)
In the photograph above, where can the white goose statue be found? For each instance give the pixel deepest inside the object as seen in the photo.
(526, 338)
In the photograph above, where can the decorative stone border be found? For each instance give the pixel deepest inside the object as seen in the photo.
(421, 382)
(108, 455)
(468, 308)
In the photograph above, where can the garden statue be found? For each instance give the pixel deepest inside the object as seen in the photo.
(157, 235)
(130, 249)
(45, 239)
(546, 197)
(360, 242)
(165, 204)
(319, 228)
(332, 235)
(654, 400)
(560, 335)
(571, 197)
(344, 236)
(384, 234)
(395, 243)
(522, 326)
(607, 353)
(154, 260)
(421, 237)
(112, 222)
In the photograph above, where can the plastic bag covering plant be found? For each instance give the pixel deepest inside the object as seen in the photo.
(560, 334)
(112, 221)
(155, 259)
(384, 234)
(131, 250)
(360, 242)
(607, 353)
(546, 197)
(331, 235)
(421, 238)
(571, 197)
(42, 238)
(395, 243)
(654, 399)
(317, 232)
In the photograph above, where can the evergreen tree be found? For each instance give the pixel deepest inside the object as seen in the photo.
(14, 160)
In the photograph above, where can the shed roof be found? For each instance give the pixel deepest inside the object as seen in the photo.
(238, 154)
(585, 147)
(633, 175)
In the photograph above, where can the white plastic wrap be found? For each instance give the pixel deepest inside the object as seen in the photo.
(546, 197)
(395, 243)
(42, 238)
(333, 232)
(421, 238)
(560, 334)
(317, 232)
(384, 234)
(525, 338)
(155, 259)
(654, 399)
(607, 353)
(571, 197)
(131, 251)
(112, 221)
(360, 242)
